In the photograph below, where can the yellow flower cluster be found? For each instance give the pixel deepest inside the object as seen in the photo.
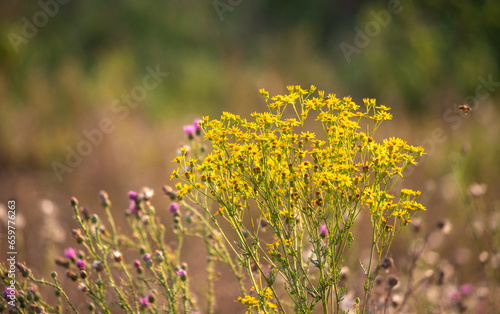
(253, 304)
(309, 181)
(272, 159)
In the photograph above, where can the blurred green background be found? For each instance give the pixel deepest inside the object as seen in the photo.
(68, 74)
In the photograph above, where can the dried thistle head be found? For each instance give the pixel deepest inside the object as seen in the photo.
(387, 263)
(392, 282)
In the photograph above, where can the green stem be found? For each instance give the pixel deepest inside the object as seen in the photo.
(56, 285)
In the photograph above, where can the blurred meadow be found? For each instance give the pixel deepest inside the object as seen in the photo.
(71, 75)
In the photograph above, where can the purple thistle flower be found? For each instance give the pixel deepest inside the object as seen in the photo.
(455, 296)
(70, 253)
(189, 129)
(80, 264)
(323, 230)
(8, 293)
(148, 260)
(181, 272)
(466, 289)
(132, 195)
(133, 207)
(137, 266)
(144, 302)
(174, 208)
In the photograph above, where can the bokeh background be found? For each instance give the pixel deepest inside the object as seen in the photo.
(71, 72)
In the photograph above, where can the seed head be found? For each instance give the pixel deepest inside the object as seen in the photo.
(387, 263)
(444, 226)
(117, 256)
(392, 282)
(82, 287)
(98, 266)
(476, 189)
(263, 223)
(146, 194)
(440, 277)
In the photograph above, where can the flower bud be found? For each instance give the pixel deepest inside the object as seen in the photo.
(148, 260)
(72, 275)
(184, 266)
(83, 274)
(151, 298)
(103, 195)
(77, 234)
(23, 269)
(85, 212)
(158, 256)
(62, 262)
(137, 266)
